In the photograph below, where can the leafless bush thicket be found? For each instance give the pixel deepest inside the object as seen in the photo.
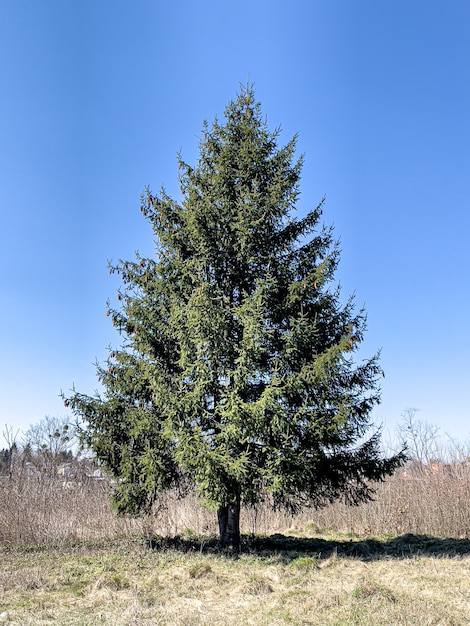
(430, 496)
(45, 509)
(430, 500)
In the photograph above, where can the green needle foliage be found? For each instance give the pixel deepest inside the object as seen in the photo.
(236, 372)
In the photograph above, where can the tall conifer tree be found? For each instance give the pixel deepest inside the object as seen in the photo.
(235, 372)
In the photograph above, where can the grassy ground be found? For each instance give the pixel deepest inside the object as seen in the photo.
(298, 580)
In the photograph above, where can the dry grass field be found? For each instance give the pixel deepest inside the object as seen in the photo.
(403, 559)
(408, 580)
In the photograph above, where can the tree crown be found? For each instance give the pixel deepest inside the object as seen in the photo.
(236, 371)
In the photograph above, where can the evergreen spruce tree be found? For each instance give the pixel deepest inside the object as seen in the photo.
(235, 372)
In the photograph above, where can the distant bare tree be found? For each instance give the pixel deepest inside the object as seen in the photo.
(420, 438)
(49, 443)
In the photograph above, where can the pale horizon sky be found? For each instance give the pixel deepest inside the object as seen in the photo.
(97, 99)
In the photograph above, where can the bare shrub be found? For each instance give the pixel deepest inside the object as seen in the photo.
(429, 499)
(45, 509)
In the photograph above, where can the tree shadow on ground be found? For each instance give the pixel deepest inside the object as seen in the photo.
(288, 548)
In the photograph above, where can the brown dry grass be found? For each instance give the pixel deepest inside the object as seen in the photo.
(126, 583)
(66, 559)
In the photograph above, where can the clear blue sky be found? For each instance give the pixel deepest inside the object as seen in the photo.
(98, 96)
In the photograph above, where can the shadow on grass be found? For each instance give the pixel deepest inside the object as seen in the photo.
(288, 548)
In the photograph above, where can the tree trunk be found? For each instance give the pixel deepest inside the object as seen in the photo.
(229, 525)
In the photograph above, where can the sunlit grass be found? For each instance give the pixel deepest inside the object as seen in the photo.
(65, 559)
(126, 582)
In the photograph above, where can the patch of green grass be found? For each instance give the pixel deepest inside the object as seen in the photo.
(256, 585)
(304, 563)
(199, 569)
(368, 589)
